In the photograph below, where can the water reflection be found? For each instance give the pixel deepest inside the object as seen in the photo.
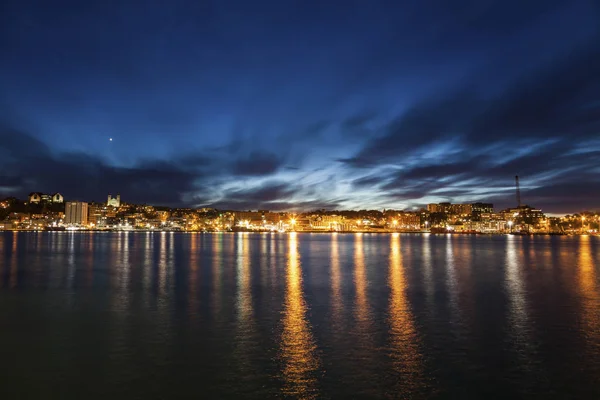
(452, 283)
(589, 296)
(193, 276)
(217, 267)
(519, 325)
(13, 261)
(71, 260)
(244, 293)
(428, 269)
(273, 258)
(162, 264)
(360, 283)
(90, 260)
(404, 351)
(516, 290)
(245, 337)
(297, 343)
(264, 276)
(336, 295)
(148, 267)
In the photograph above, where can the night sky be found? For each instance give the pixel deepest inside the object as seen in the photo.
(298, 105)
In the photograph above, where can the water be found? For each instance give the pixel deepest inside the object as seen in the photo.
(166, 315)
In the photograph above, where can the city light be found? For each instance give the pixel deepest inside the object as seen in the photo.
(443, 218)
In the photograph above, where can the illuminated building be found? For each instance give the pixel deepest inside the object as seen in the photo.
(330, 223)
(449, 208)
(480, 208)
(114, 201)
(438, 208)
(460, 209)
(409, 221)
(37, 198)
(97, 214)
(76, 213)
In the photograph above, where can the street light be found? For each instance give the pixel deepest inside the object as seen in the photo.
(426, 224)
(510, 224)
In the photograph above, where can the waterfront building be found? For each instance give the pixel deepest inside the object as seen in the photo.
(480, 208)
(76, 213)
(451, 209)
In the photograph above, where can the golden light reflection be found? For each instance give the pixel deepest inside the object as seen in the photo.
(165, 283)
(273, 259)
(244, 292)
(428, 269)
(148, 267)
(589, 295)
(125, 263)
(264, 275)
(193, 273)
(360, 282)
(245, 337)
(217, 266)
(297, 344)
(336, 295)
(405, 353)
(162, 264)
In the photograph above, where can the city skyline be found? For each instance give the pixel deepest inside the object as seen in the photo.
(115, 200)
(284, 105)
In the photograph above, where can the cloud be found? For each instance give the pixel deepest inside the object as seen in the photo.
(271, 195)
(535, 128)
(553, 102)
(31, 166)
(257, 163)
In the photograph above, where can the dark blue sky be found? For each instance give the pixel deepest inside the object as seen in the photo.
(302, 104)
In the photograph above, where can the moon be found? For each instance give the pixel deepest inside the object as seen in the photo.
(110, 139)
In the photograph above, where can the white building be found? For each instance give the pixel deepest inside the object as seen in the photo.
(76, 213)
(57, 198)
(37, 198)
(114, 201)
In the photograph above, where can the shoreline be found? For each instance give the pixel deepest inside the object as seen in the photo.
(302, 231)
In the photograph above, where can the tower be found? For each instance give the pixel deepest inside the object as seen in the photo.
(114, 201)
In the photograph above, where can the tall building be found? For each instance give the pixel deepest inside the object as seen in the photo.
(439, 208)
(460, 209)
(434, 208)
(114, 201)
(76, 213)
(480, 208)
